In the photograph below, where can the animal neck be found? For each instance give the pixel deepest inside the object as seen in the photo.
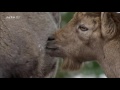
(111, 62)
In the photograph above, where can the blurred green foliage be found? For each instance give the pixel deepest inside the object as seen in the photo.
(66, 18)
(89, 68)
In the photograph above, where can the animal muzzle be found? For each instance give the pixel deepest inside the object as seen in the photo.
(51, 43)
(52, 48)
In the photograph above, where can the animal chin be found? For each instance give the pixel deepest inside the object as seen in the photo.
(54, 52)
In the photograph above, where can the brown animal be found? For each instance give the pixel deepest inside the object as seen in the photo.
(23, 37)
(89, 36)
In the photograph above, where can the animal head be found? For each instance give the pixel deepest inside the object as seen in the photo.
(83, 38)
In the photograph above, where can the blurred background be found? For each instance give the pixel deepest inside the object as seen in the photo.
(89, 69)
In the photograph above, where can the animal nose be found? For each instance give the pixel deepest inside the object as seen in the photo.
(51, 38)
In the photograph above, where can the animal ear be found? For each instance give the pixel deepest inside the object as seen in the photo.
(108, 25)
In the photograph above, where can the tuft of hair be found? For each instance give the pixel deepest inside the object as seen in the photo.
(71, 65)
(94, 14)
(91, 14)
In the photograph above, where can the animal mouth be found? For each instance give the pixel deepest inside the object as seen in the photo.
(51, 46)
(53, 50)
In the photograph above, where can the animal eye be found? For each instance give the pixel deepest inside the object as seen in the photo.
(83, 28)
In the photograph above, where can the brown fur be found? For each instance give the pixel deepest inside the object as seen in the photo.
(101, 41)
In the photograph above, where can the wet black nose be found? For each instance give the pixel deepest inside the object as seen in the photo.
(51, 38)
